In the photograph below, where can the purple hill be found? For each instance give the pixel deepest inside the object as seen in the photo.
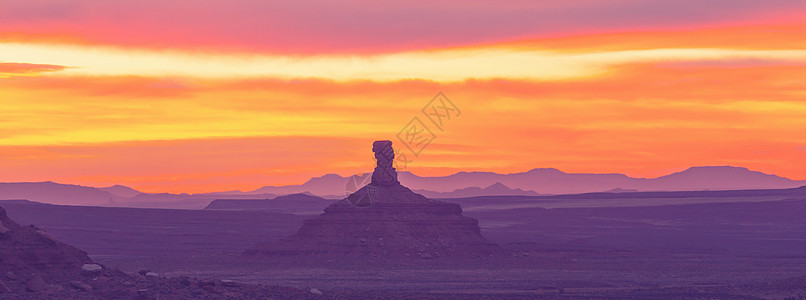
(496, 189)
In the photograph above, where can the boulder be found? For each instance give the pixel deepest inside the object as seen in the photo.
(229, 283)
(207, 283)
(145, 294)
(11, 275)
(91, 269)
(183, 281)
(81, 286)
(35, 284)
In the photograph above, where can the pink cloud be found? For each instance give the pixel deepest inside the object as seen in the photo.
(358, 25)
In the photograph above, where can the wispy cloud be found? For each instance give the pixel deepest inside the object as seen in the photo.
(8, 69)
(356, 26)
(442, 65)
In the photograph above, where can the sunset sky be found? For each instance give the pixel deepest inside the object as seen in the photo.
(202, 96)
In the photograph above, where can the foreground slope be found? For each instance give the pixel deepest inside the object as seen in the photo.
(27, 250)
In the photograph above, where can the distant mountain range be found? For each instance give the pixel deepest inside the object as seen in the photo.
(121, 191)
(57, 193)
(553, 181)
(496, 189)
(293, 203)
(459, 185)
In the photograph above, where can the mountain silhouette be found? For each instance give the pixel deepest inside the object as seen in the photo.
(462, 184)
(51, 192)
(553, 181)
(496, 189)
(121, 191)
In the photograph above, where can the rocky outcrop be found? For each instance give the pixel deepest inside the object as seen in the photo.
(28, 250)
(34, 265)
(386, 220)
(31, 259)
(384, 174)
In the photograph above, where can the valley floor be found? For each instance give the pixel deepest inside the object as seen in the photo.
(708, 249)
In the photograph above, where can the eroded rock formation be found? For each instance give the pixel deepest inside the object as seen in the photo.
(384, 173)
(398, 224)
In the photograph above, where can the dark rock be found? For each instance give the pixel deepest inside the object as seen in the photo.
(11, 275)
(210, 289)
(145, 294)
(384, 173)
(116, 293)
(81, 286)
(184, 281)
(143, 272)
(207, 283)
(27, 250)
(35, 284)
(229, 283)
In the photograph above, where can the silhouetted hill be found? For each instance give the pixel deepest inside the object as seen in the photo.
(497, 189)
(620, 190)
(121, 191)
(329, 184)
(37, 265)
(462, 184)
(51, 192)
(27, 251)
(68, 194)
(295, 203)
(553, 181)
(717, 178)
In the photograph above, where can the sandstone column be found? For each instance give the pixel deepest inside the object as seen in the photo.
(384, 173)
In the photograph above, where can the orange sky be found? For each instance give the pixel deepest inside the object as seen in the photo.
(141, 105)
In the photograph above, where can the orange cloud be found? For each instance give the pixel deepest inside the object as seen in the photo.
(659, 101)
(639, 119)
(26, 69)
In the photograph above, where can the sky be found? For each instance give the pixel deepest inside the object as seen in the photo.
(202, 96)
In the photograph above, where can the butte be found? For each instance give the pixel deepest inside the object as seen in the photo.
(387, 221)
